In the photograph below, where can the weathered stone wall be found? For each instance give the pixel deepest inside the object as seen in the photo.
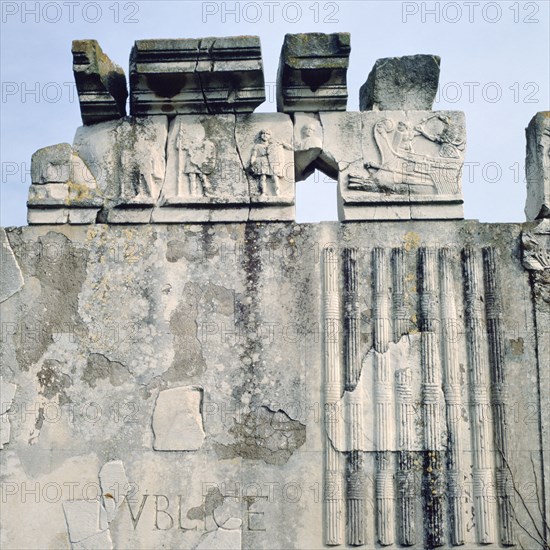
(170, 385)
(202, 372)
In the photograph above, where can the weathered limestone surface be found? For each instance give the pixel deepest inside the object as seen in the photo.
(11, 278)
(177, 420)
(101, 84)
(180, 369)
(7, 393)
(63, 188)
(312, 72)
(127, 158)
(114, 486)
(407, 83)
(196, 76)
(537, 167)
(536, 259)
(111, 318)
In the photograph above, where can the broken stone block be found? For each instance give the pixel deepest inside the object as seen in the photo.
(308, 140)
(407, 83)
(407, 165)
(127, 158)
(312, 72)
(47, 216)
(59, 164)
(7, 393)
(61, 180)
(537, 167)
(177, 420)
(536, 247)
(48, 194)
(220, 539)
(228, 168)
(82, 216)
(227, 514)
(101, 540)
(196, 76)
(83, 519)
(114, 485)
(11, 278)
(101, 84)
(5, 431)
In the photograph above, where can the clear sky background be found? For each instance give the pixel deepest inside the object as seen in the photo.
(495, 67)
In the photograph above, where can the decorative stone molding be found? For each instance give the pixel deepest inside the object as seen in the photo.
(101, 85)
(196, 76)
(312, 72)
(537, 167)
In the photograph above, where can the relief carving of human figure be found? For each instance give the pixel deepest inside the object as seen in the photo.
(267, 162)
(450, 139)
(196, 161)
(403, 137)
(138, 178)
(310, 139)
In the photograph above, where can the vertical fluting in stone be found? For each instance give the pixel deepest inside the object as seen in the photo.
(355, 500)
(453, 399)
(499, 390)
(431, 405)
(351, 319)
(479, 401)
(405, 410)
(383, 399)
(400, 316)
(334, 461)
(405, 477)
(355, 481)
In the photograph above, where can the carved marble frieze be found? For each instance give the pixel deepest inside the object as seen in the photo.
(407, 165)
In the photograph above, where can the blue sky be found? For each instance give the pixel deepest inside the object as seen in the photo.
(495, 67)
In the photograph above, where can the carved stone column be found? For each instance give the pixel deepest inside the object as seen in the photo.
(334, 460)
(383, 399)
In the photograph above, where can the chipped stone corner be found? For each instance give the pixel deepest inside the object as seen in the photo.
(7, 393)
(88, 521)
(177, 419)
(11, 278)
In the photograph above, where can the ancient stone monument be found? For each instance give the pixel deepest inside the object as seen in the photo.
(184, 366)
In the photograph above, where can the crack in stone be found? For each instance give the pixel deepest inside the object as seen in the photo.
(161, 190)
(237, 148)
(205, 99)
(100, 367)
